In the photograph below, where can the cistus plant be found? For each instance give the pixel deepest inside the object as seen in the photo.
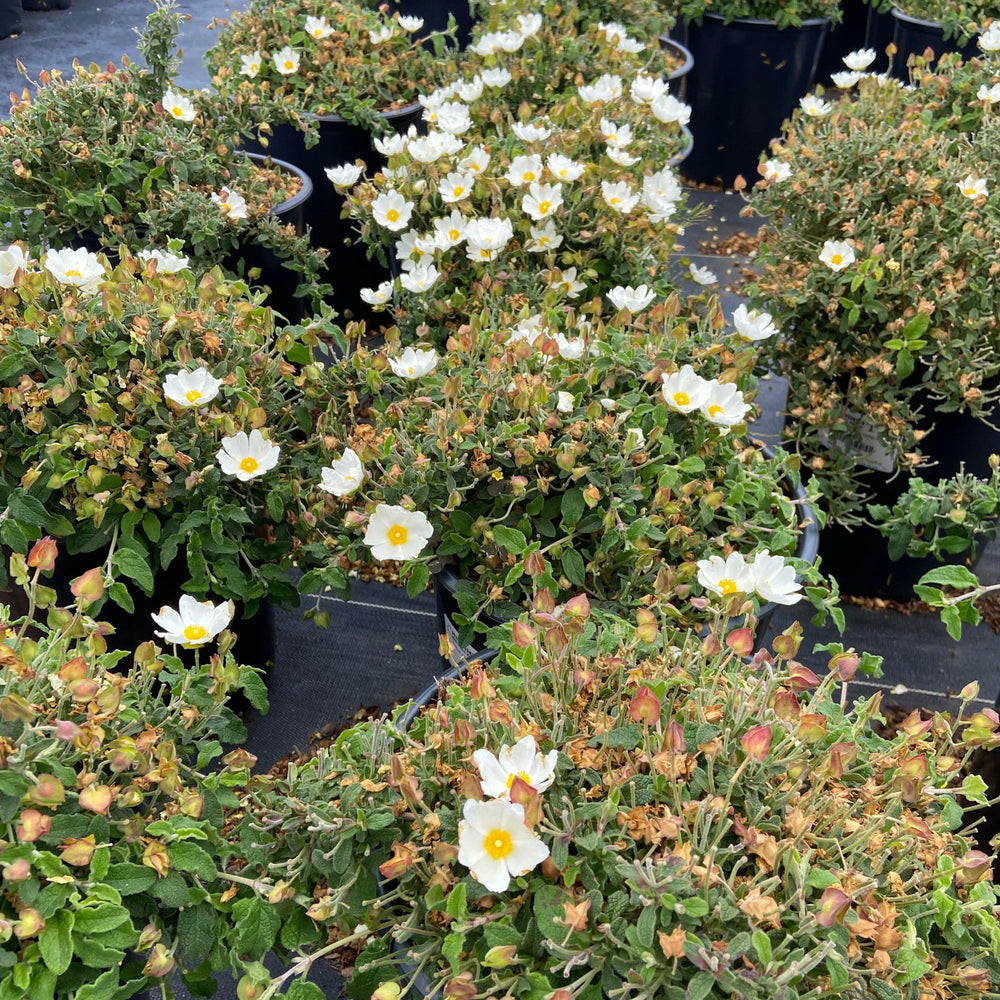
(784, 13)
(148, 416)
(960, 19)
(115, 783)
(611, 809)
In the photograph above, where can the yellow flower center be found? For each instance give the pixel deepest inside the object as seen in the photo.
(727, 586)
(397, 535)
(714, 410)
(484, 252)
(457, 191)
(523, 775)
(616, 200)
(544, 206)
(192, 395)
(73, 273)
(529, 175)
(289, 65)
(392, 215)
(249, 464)
(682, 398)
(177, 111)
(453, 234)
(409, 370)
(836, 258)
(498, 844)
(194, 632)
(971, 192)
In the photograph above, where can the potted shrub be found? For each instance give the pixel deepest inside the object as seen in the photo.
(882, 291)
(753, 60)
(619, 807)
(118, 156)
(114, 791)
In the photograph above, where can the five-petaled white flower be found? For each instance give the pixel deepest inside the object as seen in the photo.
(726, 576)
(542, 200)
(486, 238)
(860, 59)
(666, 108)
(989, 94)
(394, 532)
(564, 168)
(530, 132)
(498, 77)
(974, 187)
(475, 161)
(377, 296)
(193, 623)
(776, 170)
(837, 255)
(409, 23)
(815, 106)
(286, 61)
(380, 35)
(621, 156)
(343, 476)
(702, 275)
(79, 268)
(166, 263)
(495, 845)
(414, 363)
(725, 405)
(606, 88)
(522, 760)
(420, 278)
(247, 457)
(544, 238)
(566, 282)
(250, 64)
(752, 324)
(774, 579)
(344, 175)
(644, 89)
(524, 169)
(632, 299)
(232, 205)
(989, 40)
(392, 210)
(191, 388)
(456, 187)
(845, 79)
(565, 402)
(178, 106)
(686, 390)
(318, 27)
(619, 195)
(12, 260)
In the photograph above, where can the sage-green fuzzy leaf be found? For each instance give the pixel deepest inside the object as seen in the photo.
(22, 507)
(573, 567)
(301, 989)
(196, 930)
(134, 566)
(451, 949)
(129, 878)
(55, 942)
(188, 857)
(102, 988)
(511, 539)
(103, 917)
(256, 926)
(701, 985)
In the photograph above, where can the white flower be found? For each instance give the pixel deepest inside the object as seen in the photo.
(726, 576)
(569, 350)
(529, 24)
(614, 134)
(79, 268)
(837, 255)
(193, 623)
(666, 108)
(628, 44)
(634, 439)
(632, 299)
(166, 263)
(815, 106)
(607, 87)
(247, 457)
(449, 231)
(702, 275)
(380, 35)
(564, 168)
(991, 94)
(607, 404)
(286, 61)
(487, 238)
(231, 204)
(377, 296)
(475, 161)
(434, 145)
(645, 89)
(178, 106)
(250, 65)
(453, 118)
(527, 329)
(686, 390)
(344, 476)
(497, 41)
(524, 169)
(414, 363)
(390, 145)
(522, 760)
(344, 175)
(753, 325)
(725, 405)
(191, 388)
(613, 31)
(318, 27)
(396, 533)
(471, 90)
(544, 238)
(392, 210)
(989, 40)
(495, 845)
(12, 260)
(419, 279)
(845, 80)
(974, 187)
(542, 200)
(566, 282)
(774, 580)
(622, 156)
(530, 132)
(860, 59)
(410, 24)
(660, 189)
(619, 195)
(411, 248)
(498, 77)
(456, 187)
(776, 170)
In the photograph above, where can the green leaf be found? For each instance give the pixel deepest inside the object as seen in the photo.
(820, 879)
(118, 593)
(151, 525)
(456, 902)
(416, 582)
(916, 326)
(102, 988)
(572, 507)
(301, 989)
(196, 929)
(701, 985)
(133, 565)
(94, 919)
(129, 878)
(511, 539)
(55, 942)
(904, 364)
(762, 945)
(645, 927)
(951, 576)
(188, 857)
(21, 507)
(256, 926)
(574, 568)
(838, 974)
(451, 949)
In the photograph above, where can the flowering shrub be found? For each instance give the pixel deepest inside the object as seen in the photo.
(878, 280)
(114, 793)
(640, 812)
(961, 19)
(785, 13)
(124, 406)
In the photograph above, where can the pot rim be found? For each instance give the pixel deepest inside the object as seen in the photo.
(760, 24)
(920, 21)
(341, 120)
(300, 196)
(685, 53)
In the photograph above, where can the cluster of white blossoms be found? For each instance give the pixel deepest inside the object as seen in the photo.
(769, 577)
(494, 842)
(509, 40)
(721, 403)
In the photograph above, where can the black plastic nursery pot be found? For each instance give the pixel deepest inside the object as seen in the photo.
(746, 80)
(446, 581)
(881, 25)
(912, 36)
(847, 36)
(11, 21)
(681, 53)
(340, 141)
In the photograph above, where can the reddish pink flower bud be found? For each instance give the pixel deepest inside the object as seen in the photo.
(43, 554)
(787, 644)
(812, 726)
(83, 690)
(89, 587)
(160, 962)
(32, 826)
(646, 627)
(578, 607)
(786, 705)
(673, 739)
(17, 870)
(479, 686)
(833, 904)
(972, 867)
(48, 792)
(645, 707)
(710, 645)
(914, 726)
(845, 665)
(66, 730)
(500, 956)
(740, 640)
(523, 634)
(29, 923)
(757, 742)
(974, 979)
(96, 798)
(801, 678)
(534, 564)
(841, 757)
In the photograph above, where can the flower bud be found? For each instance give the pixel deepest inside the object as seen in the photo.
(833, 904)
(29, 923)
(975, 980)
(96, 798)
(66, 730)
(281, 892)
(500, 956)
(646, 627)
(673, 739)
(155, 856)
(89, 587)
(787, 644)
(786, 705)
(160, 962)
(43, 554)
(845, 665)
(387, 991)
(534, 563)
(149, 936)
(247, 989)
(801, 678)
(645, 707)
(523, 634)
(972, 867)
(740, 640)
(461, 987)
(757, 742)
(970, 692)
(48, 792)
(32, 826)
(17, 870)
(400, 862)
(812, 726)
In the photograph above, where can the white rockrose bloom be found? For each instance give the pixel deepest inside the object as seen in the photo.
(178, 106)
(396, 533)
(377, 296)
(390, 145)
(753, 325)
(527, 329)
(725, 405)
(837, 255)
(195, 388)
(542, 200)
(619, 196)
(166, 263)
(412, 248)
(613, 31)
(79, 268)
(726, 576)
(486, 239)
(666, 108)
(565, 282)
(12, 260)
(449, 231)
(232, 205)
(774, 579)
(529, 24)
(614, 134)
(471, 90)
(607, 87)
(990, 94)
(344, 475)
(434, 145)
(974, 187)
(845, 79)
(193, 623)
(569, 350)
(380, 35)
(453, 118)
(475, 161)
(522, 760)
(495, 845)
(318, 27)
(622, 156)
(509, 41)
(989, 40)
(702, 275)
(565, 402)
(564, 168)
(524, 169)
(410, 24)
(414, 362)
(419, 279)
(544, 238)
(531, 132)
(345, 175)
(250, 64)
(498, 77)
(456, 187)
(776, 170)
(632, 299)
(815, 106)
(860, 59)
(686, 390)
(629, 44)
(286, 61)
(247, 456)
(392, 211)
(645, 89)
